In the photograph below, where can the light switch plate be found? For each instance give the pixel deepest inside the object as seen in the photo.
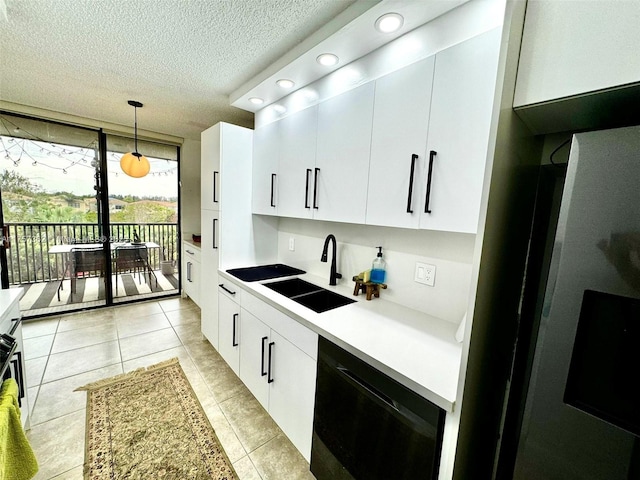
(425, 274)
(292, 244)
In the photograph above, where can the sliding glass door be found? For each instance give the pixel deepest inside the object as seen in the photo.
(50, 187)
(143, 214)
(70, 215)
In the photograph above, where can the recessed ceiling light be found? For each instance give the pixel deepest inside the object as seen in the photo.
(256, 100)
(327, 59)
(284, 83)
(389, 22)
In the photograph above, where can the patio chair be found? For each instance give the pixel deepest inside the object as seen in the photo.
(133, 259)
(84, 263)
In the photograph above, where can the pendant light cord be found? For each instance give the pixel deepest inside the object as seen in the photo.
(135, 130)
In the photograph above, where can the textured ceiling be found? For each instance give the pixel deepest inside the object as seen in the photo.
(180, 58)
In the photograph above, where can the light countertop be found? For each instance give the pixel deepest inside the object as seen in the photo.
(415, 349)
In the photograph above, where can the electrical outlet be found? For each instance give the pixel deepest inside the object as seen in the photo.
(292, 244)
(425, 274)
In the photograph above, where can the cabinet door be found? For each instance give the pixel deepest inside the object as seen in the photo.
(298, 133)
(192, 280)
(292, 392)
(254, 356)
(461, 111)
(398, 146)
(342, 155)
(210, 228)
(210, 148)
(266, 151)
(229, 331)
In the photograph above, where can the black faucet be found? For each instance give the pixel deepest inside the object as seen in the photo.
(333, 275)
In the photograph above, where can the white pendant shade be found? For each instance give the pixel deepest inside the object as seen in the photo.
(134, 166)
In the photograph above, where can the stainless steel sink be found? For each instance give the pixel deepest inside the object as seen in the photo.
(309, 295)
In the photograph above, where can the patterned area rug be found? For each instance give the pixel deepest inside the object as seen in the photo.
(149, 424)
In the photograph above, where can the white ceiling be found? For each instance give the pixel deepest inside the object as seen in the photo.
(180, 58)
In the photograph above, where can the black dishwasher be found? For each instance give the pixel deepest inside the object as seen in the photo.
(368, 426)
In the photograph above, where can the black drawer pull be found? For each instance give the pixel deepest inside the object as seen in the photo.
(269, 377)
(273, 178)
(306, 190)
(226, 289)
(315, 188)
(234, 342)
(215, 174)
(432, 156)
(262, 371)
(414, 157)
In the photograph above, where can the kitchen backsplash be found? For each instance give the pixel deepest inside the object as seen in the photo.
(451, 253)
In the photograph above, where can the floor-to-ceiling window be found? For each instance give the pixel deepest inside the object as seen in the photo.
(68, 211)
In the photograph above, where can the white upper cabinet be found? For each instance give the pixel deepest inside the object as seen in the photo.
(458, 137)
(341, 173)
(210, 146)
(266, 152)
(398, 145)
(298, 133)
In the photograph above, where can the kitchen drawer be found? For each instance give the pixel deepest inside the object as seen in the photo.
(230, 290)
(299, 335)
(191, 252)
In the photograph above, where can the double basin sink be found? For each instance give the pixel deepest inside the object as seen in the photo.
(306, 294)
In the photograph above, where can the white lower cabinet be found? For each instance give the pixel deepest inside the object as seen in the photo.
(229, 326)
(281, 374)
(191, 271)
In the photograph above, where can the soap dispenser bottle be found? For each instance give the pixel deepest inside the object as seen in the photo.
(379, 268)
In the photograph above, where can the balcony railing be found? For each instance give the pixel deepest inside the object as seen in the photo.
(29, 261)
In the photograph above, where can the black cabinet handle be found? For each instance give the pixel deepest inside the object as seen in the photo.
(226, 289)
(17, 368)
(189, 252)
(262, 372)
(215, 224)
(215, 174)
(273, 177)
(269, 377)
(432, 156)
(315, 188)
(306, 190)
(233, 340)
(414, 157)
(14, 327)
(188, 271)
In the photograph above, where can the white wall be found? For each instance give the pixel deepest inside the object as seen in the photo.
(190, 189)
(451, 253)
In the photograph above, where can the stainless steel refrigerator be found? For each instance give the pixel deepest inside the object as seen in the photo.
(574, 410)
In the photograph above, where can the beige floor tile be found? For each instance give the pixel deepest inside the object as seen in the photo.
(246, 470)
(58, 444)
(59, 398)
(189, 332)
(137, 310)
(81, 360)
(188, 315)
(38, 346)
(222, 381)
(148, 360)
(83, 337)
(177, 303)
(32, 395)
(84, 319)
(39, 327)
(279, 459)
(227, 437)
(252, 424)
(133, 325)
(35, 370)
(148, 343)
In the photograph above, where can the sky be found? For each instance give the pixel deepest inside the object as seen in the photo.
(56, 168)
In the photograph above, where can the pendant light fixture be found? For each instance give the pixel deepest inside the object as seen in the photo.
(135, 164)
